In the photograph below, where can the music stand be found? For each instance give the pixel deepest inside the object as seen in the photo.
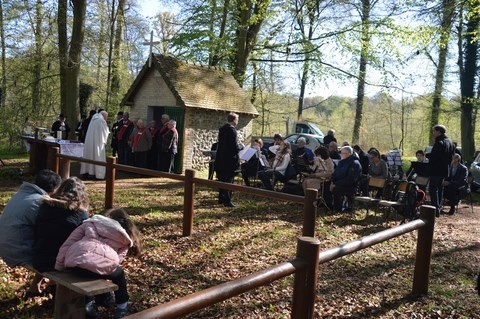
(421, 168)
(394, 158)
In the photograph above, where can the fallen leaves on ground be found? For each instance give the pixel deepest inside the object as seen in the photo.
(230, 243)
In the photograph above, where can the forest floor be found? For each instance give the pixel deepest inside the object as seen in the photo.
(230, 243)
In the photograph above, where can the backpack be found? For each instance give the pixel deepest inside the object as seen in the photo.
(411, 208)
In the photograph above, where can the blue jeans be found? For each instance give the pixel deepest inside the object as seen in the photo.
(117, 277)
(436, 190)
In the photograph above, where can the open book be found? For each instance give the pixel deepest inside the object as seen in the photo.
(247, 153)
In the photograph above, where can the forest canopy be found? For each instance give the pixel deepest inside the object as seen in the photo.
(379, 72)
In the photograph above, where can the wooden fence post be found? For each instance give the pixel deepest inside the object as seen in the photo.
(309, 212)
(64, 168)
(110, 182)
(424, 251)
(52, 159)
(305, 284)
(188, 200)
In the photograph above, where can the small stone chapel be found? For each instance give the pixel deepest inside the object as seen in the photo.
(198, 97)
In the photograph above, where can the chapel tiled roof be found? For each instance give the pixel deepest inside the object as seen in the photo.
(198, 86)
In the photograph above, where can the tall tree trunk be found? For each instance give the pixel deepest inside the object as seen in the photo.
(70, 58)
(63, 51)
(307, 38)
(247, 32)
(3, 85)
(303, 85)
(467, 84)
(216, 56)
(110, 52)
(448, 9)
(100, 45)
(362, 70)
(116, 62)
(38, 59)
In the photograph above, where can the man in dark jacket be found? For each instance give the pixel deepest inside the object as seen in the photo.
(227, 159)
(86, 124)
(455, 185)
(123, 137)
(345, 177)
(115, 127)
(439, 162)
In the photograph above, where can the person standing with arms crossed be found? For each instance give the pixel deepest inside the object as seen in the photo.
(439, 161)
(227, 158)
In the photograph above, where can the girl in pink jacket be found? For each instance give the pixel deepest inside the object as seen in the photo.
(97, 248)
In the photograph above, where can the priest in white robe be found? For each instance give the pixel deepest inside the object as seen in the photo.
(95, 143)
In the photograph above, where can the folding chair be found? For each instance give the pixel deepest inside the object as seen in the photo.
(422, 182)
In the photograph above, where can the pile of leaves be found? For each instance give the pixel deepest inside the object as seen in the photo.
(231, 243)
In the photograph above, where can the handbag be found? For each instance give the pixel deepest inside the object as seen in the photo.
(290, 172)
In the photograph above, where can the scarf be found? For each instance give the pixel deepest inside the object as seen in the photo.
(137, 138)
(123, 129)
(153, 131)
(164, 130)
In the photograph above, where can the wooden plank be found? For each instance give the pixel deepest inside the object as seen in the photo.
(81, 285)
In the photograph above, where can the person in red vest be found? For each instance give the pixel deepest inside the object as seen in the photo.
(141, 142)
(123, 136)
(152, 156)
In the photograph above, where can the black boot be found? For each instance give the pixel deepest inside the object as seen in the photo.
(452, 210)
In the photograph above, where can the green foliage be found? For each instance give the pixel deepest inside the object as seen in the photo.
(381, 124)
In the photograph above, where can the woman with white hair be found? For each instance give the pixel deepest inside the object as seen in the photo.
(169, 147)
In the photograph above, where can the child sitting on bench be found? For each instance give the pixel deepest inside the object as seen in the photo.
(97, 248)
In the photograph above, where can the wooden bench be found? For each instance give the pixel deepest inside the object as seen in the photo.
(374, 184)
(71, 291)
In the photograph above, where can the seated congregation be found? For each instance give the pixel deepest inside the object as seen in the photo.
(341, 174)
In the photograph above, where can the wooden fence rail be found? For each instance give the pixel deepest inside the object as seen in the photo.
(60, 163)
(305, 268)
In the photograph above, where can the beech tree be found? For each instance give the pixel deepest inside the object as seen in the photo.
(70, 54)
(468, 66)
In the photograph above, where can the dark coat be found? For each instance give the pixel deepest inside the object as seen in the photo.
(459, 180)
(85, 125)
(328, 139)
(55, 222)
(227, 159)
(364, 162)
(440, 156)
(347, 175)
(124, 132)
(115, 127)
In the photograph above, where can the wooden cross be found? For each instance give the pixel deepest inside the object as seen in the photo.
(150, 43)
